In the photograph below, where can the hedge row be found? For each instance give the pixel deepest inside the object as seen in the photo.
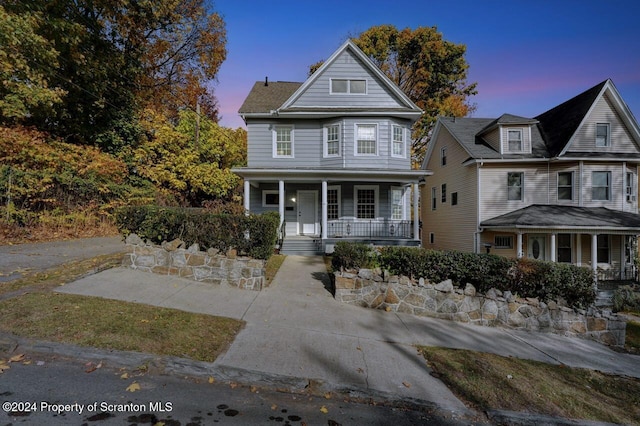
(524, 277)
(253, 235)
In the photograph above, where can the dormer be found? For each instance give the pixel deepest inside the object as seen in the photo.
(509, 134)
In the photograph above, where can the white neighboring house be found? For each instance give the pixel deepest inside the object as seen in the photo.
(562, 186)
(333, 156)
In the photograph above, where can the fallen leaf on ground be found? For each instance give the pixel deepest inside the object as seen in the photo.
(324, 409)
(254, 389)
(16, 358)
(124, 376)
(406, 384)
(233, 385)
(133, 387)
(274, 407)
(327, 395)
(211, 379)
(3, 366)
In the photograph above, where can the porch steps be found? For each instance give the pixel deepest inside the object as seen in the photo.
(604, 298)
(302, 246)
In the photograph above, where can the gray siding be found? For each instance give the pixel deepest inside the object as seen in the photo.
(347, 66)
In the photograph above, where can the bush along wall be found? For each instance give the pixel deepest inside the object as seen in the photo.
(476, 288)
(251, 235)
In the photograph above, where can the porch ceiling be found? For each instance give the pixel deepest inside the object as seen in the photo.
(554, 217)
(318, 175)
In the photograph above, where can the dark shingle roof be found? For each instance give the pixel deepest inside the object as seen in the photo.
(544, 216)
(265, 98)
(560, 123)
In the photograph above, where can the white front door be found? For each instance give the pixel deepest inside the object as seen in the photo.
(537, 247)
(307, 212)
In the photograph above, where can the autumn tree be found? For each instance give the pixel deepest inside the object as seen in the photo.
(189, 166)
(109, 59)
(430, 70)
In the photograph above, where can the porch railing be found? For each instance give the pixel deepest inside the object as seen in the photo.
(369, 229)
(615, 274)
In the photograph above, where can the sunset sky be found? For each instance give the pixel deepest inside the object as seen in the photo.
(526, 56)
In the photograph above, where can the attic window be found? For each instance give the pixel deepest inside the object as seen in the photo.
(358, 87)
(515, 140)
(602, 135)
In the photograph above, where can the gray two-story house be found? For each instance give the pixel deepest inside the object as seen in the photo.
(333, 155)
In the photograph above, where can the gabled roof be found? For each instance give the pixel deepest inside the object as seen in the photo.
(560, 123)
(280, 97)
(557, 216)
(508, 119)
(267, 96)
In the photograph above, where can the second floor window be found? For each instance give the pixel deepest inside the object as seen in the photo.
(629, 187)
(283, 141)
(398, 141)
(515, 182)
(332, 140)
(443, 156)
(601, 186)
(366, 142)
(515, 140)
(444, 192)
(565, 186)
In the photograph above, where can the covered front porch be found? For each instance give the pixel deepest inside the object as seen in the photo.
(376, 206)
(596, 237)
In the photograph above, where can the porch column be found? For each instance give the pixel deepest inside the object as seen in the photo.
(281, 196)
(519, 252)
(416, 212)
(594, 252)
(247, 196)
(324, 210)
(553, 247)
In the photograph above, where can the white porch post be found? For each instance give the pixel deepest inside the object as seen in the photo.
(594, 252)
(324, 210)
(519, 252)
(416, 212)
(247, 196)
(553, 247)
(281, 196)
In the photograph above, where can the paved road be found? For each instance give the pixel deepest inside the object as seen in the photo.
(16, 260)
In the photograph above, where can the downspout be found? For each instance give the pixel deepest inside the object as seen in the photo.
(581, 168)
(478, 209)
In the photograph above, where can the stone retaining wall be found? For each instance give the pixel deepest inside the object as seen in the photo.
(400, 294)
(171, 258)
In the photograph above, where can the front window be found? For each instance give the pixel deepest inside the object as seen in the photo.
(270, 198)
(601, 186)
(603, 135)
(564, 248)
(332, 140)
(333, 203)
(397, 204)
(514, 185)
(283, 141)
(503, 242)
(366, 143)
(366, 202)
(398, 141)
(515, 140)
(603, 248)
(565, 186)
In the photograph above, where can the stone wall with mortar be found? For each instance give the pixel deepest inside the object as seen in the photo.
(172, 258)
(376, 290)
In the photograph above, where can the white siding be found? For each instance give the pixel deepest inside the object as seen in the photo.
(526, 138)
(453, 226)
(603, 112)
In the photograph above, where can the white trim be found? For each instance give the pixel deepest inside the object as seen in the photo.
(519, 130)
(325, 140)
(274, 133)
(607, 141)
(522, 194)
(573, 184)
(355, 139)
(376, 201)
(266, 192)
(404, 141)
(403, 204)
(339, 195)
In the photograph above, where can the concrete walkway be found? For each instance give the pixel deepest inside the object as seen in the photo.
(296, 333)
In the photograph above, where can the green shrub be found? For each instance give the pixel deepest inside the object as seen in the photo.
(524, 277)
(627, 299)
(253, 235)
(348, 255)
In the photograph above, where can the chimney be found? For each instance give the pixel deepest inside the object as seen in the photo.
(266, 81)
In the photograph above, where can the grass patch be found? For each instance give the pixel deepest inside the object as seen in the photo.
(492, 382)
(632, 337)
(68, 272)
(272, 266)
(111, 324)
